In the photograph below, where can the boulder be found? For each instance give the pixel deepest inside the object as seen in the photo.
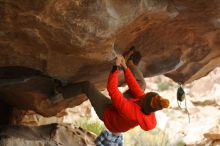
(213, 134)
(216, 143)
(78, 40)
(49, 135)
(69, 115)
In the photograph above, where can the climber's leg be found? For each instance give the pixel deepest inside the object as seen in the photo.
(132, 58)
(97, 99)
(137, 74)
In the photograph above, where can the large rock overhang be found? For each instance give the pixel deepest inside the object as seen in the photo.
(74, 39)
(77, 40)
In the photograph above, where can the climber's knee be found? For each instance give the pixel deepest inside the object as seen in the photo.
(143, 86)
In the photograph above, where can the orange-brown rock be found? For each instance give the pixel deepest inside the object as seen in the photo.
(74, 40)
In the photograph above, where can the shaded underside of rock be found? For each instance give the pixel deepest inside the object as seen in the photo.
(77, 41)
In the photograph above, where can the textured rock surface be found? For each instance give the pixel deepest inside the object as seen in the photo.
(33, 94)
(69, 38)
(48, 135)
(69, 115)
(213, 135)
(73, 40)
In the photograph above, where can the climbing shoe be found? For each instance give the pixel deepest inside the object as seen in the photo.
(133, 55)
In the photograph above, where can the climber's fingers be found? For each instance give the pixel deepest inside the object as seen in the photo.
(118, 60)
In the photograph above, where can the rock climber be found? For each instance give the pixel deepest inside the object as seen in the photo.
(121, 113)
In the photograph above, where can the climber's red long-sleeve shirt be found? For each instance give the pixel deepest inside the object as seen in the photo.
(124, 114)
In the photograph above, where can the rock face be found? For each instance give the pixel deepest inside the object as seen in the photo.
(69, 115)
(77, 41)
(213, 135)
(74, 39)
(48, 135)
